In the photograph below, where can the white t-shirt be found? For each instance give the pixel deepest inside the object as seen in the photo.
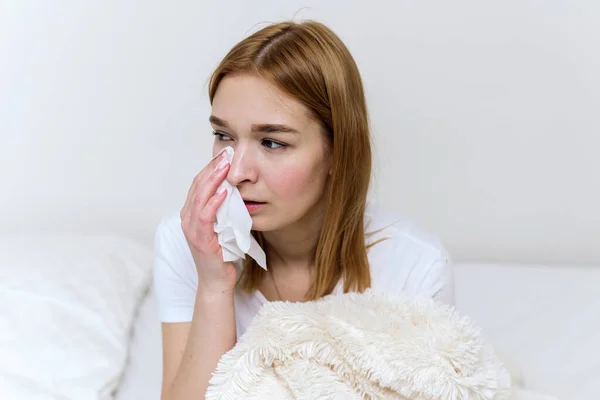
(409, 261)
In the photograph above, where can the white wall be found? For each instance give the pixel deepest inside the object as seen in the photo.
(485, 114)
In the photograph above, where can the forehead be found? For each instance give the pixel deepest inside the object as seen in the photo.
(248, 99)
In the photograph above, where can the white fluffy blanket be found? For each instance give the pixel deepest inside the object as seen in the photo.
(356, 346)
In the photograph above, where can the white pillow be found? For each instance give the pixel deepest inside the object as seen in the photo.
(67, 304)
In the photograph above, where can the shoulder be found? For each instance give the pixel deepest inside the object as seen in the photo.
(169, 226)
(400, 234)
(170, 242)
(404, 257)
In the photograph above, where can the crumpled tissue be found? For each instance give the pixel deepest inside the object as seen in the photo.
(233, 225)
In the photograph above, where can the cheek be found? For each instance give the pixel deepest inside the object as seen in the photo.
(292, 183)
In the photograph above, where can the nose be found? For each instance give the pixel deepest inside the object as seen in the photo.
(243, 168)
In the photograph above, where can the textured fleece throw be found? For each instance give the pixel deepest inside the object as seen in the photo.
(357, 346)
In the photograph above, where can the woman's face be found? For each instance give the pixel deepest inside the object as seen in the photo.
(282, 159)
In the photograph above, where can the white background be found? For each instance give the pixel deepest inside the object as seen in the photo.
(485, 114)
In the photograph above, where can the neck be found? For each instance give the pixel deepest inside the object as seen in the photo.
(295, 245)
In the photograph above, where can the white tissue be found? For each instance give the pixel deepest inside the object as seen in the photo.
(233, 225)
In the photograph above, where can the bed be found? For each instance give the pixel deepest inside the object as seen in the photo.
(79, 321)
(544, 318)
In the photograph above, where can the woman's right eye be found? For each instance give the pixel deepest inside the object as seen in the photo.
(221, 137)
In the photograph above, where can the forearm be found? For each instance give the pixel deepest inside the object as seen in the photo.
(212, 334)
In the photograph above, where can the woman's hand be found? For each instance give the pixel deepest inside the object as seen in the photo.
(197, 220)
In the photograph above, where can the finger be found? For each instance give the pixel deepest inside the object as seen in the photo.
(205, 193)
(209, 187)
(215, 161)
(220, 153)
(207, 170)
(185, 211)
(208, 215)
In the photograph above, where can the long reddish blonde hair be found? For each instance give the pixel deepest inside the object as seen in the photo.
(309, 62)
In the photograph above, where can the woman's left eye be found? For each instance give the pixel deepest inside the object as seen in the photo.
(271, 144)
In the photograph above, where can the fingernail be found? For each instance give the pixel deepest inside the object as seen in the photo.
(222, 164)
(221, 190)
(219, 154)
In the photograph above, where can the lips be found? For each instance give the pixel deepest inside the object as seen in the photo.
(253, 206)
(249, 201)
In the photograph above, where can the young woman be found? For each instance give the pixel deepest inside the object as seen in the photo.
(289, 99)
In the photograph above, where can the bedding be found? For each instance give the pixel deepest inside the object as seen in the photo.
(67, 305)
(360, 346)
(143, 375)
(546, 318)
(542, 320)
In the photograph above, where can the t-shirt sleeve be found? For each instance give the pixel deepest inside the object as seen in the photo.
(430, 274)
(175, 276)
(412, 262)
(439, 280)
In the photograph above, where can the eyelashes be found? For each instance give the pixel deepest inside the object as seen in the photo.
(221, 137)
(265, 142)
(268, 143)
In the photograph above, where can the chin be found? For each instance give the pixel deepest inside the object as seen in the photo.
(264, 224)
(257, 224)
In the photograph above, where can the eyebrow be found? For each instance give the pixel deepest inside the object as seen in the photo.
(258, 128)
